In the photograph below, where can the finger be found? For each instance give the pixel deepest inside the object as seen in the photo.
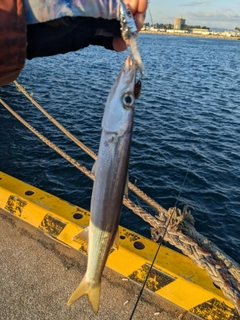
(119, 44)
(137, 5)
(142, 6)
(139, 20)
(133, 5)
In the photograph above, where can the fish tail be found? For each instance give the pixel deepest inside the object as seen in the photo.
(93, 294)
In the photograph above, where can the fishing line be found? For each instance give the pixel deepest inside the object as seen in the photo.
(160, 243)
(156, 40)
(170, 218)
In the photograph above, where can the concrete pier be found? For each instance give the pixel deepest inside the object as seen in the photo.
(38, 275)
(190, 35)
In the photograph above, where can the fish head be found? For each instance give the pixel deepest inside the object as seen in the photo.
(119, 109)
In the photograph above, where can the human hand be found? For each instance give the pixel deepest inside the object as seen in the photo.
(52, 31)
(138, 8)
(55, 27)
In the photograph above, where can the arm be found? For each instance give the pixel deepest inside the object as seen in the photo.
(50, 27)
(13, 40)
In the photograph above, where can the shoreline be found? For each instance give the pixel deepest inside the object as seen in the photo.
(190, 35)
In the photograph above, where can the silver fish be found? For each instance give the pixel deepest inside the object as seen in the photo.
(110, 171)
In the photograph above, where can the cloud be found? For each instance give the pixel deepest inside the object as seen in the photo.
(194, 3)
(216, 16)
(224, 19)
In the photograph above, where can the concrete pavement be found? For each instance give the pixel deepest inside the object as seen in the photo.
(38, 275)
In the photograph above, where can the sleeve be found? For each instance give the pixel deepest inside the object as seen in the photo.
(70, 34)
(13, 40)
(47, 10)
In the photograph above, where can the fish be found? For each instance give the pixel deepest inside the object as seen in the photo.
(110, 179)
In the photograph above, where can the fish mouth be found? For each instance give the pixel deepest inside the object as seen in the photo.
(130, 68)
(130, 64)
(125, 82)
(128, 72)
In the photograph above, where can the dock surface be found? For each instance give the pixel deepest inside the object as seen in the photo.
(38, 275)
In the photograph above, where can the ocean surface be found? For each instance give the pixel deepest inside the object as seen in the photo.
(187, 122)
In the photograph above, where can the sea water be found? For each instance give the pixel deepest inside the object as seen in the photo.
(187, 124)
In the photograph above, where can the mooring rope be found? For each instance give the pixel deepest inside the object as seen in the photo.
(48, 142)
(127, 202)
(131, 186)
(223, 270)
(54, 121)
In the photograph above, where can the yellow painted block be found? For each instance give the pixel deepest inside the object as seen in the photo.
(185, 294)
(124, 261)
(174, 276)
(67, 235)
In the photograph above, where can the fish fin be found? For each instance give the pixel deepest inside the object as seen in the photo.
(126, 187)
(82, 236)
(116, 240)
(94, 168)
(93, 294)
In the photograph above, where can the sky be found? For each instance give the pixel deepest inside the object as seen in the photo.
(211, 13)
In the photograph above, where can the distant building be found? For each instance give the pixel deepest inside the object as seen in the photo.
(179, 23)
(200, 31)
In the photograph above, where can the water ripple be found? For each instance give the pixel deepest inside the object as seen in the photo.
(187, 120)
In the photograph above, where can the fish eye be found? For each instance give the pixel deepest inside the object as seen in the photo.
(128, 100)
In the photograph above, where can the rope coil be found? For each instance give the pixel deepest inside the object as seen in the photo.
(223, 270)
